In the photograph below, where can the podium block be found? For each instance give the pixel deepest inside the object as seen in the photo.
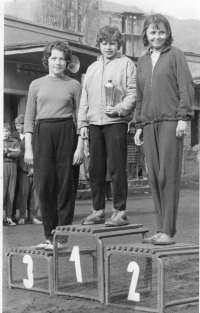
(30, 269)
(75, 275)
(151, 278)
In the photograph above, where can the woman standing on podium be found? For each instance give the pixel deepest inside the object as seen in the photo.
(165, 95)
(51, 141)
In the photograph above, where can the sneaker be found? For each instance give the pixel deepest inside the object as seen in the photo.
(37, 222)
(21, 221)
(97, 217)
(164, 240)
(152, 239)
(8, 222)
(43, 245)
(14, 219)
(117, 219)
(60, 246)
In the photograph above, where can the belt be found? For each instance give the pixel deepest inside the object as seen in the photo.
(8, 161)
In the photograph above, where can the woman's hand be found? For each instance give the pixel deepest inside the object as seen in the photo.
(78, 157)
(84, 133)
(28, 156)
(137, 137)
(111, 111)
(181, 129)
(79, 153)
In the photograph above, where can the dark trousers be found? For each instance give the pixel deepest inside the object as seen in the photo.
(27, 199)
(108, 148)
(9, 182)
(163, 152)
(55, 178)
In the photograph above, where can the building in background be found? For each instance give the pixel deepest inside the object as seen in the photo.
(25, 39)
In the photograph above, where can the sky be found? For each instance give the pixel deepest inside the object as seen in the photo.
(181, 9)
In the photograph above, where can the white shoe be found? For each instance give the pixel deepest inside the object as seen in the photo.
(37, 222)
(44, 244)
(21, 221)
(60, 246)
(8, 222)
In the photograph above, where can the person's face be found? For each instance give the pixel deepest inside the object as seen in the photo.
(6, 134)
(57, 63)
(109, 48)
(20, 128)
(156, 37)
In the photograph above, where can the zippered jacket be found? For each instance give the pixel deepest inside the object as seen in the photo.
(122, 71)
(165, 93)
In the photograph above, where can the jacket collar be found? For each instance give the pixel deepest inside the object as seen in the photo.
(118, 55)
(164, 49)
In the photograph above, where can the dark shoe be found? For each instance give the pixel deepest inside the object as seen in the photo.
(117, 219)
(14, 219)
(152, 239)
(164, 240)
(29, 221)
(97, 217)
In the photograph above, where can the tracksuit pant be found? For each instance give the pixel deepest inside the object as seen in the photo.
(27, 199)
(9, 183)
(55, 178)
(163, 152)
(108, 148)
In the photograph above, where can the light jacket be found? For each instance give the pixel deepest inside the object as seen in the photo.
(165, 93)
(122, 71)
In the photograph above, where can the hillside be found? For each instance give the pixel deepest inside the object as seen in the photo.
(185, 32)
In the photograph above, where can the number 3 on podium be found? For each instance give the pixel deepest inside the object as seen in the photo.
(28, 283)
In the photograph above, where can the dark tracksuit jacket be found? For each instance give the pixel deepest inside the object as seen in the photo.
(165, 95)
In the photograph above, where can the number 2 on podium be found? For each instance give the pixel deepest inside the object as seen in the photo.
(132, 295)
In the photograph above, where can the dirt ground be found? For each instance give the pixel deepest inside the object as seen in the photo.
(139, 210)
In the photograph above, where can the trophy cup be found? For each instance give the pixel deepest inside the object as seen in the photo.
(109, 90)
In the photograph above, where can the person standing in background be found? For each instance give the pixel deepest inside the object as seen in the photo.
(11, 151)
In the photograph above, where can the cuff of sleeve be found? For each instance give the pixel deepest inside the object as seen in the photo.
(184, 118)
(139, 126)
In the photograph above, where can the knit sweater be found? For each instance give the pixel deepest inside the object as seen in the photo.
(166, 92)
(122, 71)
(52, 97)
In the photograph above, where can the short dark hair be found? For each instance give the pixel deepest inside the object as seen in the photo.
(6, 126)
(157, 20)
(109, 33)
(57, 45)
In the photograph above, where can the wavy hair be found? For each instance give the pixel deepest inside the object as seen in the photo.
(157, 20)
(57, 45)
(109, 33)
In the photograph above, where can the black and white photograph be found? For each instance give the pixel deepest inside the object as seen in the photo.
(100, 156)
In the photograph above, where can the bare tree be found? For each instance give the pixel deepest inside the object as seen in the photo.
(75, 15)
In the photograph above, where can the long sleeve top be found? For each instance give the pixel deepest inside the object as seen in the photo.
(52, 97)
(122, 72)
(165, 92)
(11, 156)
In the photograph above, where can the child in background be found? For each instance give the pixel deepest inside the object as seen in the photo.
(108, 124)
(11, 151)
(165, 95)
(26, 197)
